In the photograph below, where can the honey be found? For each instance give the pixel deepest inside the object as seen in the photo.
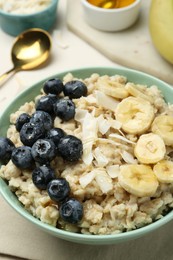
(111, 4)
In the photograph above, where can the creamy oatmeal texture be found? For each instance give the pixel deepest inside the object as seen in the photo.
(23, 6)
(121, 188)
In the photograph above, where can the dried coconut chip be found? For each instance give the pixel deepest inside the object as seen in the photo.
(113, 170)
(121, 138)
(104, 181)
(100, 158)
(106, 101)
(103, 125)
(89, 135)
(128, 157)
(84, 180)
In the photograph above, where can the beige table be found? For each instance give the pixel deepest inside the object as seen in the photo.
(18, 237)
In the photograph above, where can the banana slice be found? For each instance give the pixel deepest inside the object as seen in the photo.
(112, 88)
(135, 91)
(135, 114)
(164, 171)
(163, 126)
(138, 180)
(150, 148)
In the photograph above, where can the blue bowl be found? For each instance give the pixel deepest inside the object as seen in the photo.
(14, 24)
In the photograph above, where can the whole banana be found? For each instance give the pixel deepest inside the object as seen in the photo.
(161, 27)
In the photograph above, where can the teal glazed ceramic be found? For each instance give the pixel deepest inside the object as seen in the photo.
(28, 95)
(14, 24)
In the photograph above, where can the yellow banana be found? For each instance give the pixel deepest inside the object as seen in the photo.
(135, 91)
(138, 180)
(112, 88)
(161, 27)
(150, 148)
(136, 115)
(164, 171)
(163, 126)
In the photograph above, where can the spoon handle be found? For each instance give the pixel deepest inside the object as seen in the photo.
(6, 74)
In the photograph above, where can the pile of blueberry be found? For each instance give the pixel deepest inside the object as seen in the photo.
(42, 143)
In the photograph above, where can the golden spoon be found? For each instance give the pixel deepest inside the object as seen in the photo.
(30, 49)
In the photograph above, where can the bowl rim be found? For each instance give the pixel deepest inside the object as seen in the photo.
(113, 10)
(67, 235)
(16, 15)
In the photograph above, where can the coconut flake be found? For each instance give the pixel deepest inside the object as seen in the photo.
(121, 138)
(80, 114)
(103, 125)
(113, 170)
(104, 181)
(108, 141)
(128, 157)
(106, 101)
(116, 124)
(100, 158)
(87, 153)
(91, 99)
(59, 39)
(84, 180)
(89, 135)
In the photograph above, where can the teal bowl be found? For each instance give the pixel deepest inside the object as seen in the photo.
(14, 24)
(28, 95)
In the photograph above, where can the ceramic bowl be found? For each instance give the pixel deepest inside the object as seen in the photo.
(14, 24)
(111, 20)
(28, 95)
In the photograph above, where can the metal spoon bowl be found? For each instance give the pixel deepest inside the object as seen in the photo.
(30, 49)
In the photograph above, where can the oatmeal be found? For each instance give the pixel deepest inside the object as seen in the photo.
(120, 175)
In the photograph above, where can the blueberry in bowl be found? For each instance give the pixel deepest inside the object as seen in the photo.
(22, 158)
(42, 175)
(43, 150)
(55, 134)
(21, 120)
(58, 189)
(31, 132)
(75, 89)
(42, 117)
(70, 148)
(64, 109)
(46, 103)
(53, 86)
(6, 149)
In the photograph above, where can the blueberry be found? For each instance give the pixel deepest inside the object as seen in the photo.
(58, 189)
(21, 120)
(70, 148)
(64, 109)
(71, 211)
(6, 148)
(30, 133)
(53, 86)
(42, 175)
(46, 103)
(55, 134)
(22, 158)
(75, 89)
(43, 150)
(42, 117)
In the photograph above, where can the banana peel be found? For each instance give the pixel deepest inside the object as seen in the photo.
(161, 27)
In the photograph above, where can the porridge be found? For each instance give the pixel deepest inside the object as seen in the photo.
(113, 160)
(23, 7)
